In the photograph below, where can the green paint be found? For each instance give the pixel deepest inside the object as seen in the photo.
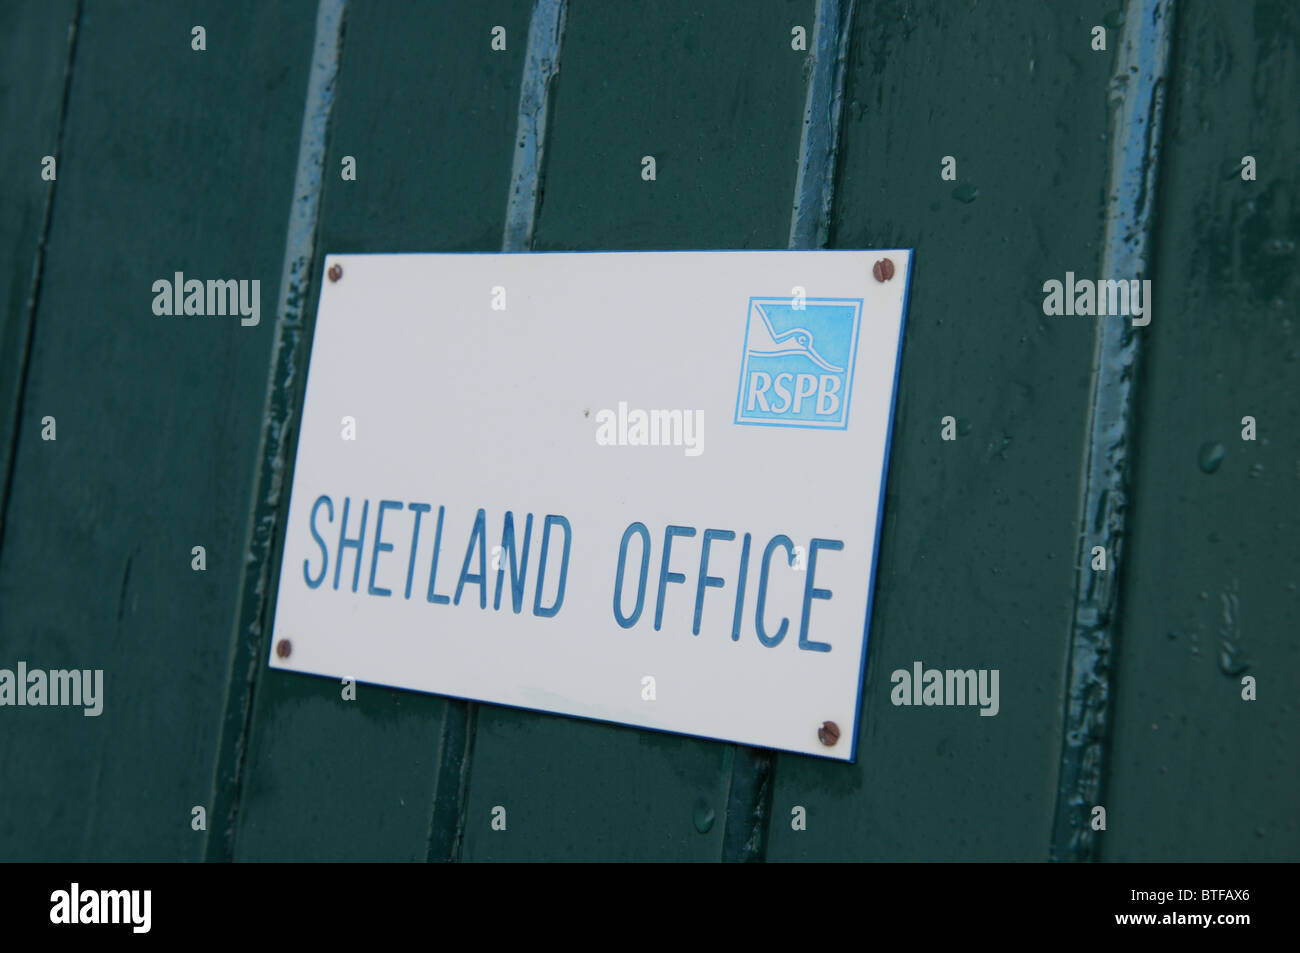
(158, 420)
(35, 74)
(977, 555)
(724, 136)
(433, 153)
(1199, 774)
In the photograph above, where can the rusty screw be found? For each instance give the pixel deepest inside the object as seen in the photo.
(336, 272)
(829, 732)
(883, 270)
(284, 647)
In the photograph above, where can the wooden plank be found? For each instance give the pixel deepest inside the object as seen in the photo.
(36, 48)
(157, 423)
(1198, 773)
(715, 94)
(427, 109)
(976, 562)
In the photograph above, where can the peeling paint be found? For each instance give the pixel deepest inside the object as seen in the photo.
(1138, 96)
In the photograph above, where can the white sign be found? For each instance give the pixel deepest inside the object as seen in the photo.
(636, 487)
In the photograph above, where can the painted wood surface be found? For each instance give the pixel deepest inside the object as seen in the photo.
(177, 432)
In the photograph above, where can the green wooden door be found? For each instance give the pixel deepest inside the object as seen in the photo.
(1120, 688)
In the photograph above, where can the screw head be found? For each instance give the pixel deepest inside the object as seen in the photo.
(283, 648)
(335, 272)
(883, 270)
(828, 733)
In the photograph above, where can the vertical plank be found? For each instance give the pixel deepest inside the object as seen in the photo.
(157, 422)
(1199, 774)
(427, 110)
(37, 42)
(715, 94)
(976, 562)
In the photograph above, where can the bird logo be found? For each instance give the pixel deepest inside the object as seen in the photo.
(765, 342)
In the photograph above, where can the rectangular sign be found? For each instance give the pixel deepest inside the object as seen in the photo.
(637, 487)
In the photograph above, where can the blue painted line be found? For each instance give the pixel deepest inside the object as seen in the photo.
(814, 187)
(1139, 86)
(283, 403)
(880, 509)
(300, 239)
(541, 63)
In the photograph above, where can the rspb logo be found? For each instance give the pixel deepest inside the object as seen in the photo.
(797, 369)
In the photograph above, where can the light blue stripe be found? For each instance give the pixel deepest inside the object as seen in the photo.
(815, 186)
(283, 403)
(300, 240)
(1138, 91)
(541, 63)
